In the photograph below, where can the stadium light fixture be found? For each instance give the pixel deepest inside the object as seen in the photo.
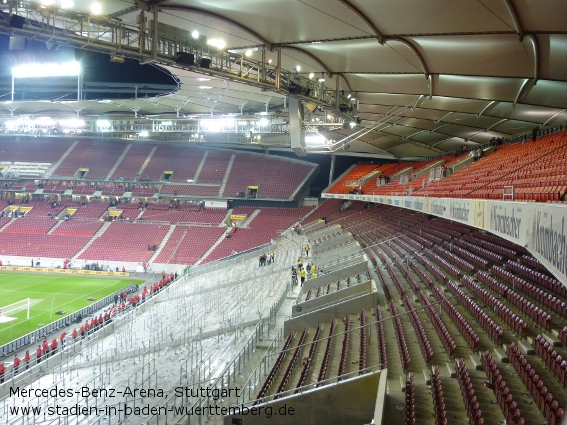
(248, 53)
(96, 8)
(321, 79)
(311, 75)
(67, 4)
(195, 34)
(144, 133)
(37, 70)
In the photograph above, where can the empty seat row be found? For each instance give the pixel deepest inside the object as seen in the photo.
(551, 357)
(446, 338)
(467, 392)
(422, 339)
(381, 338)
(293, 361)
(307, 361)
(505, 400)
(273, 372)
(465, 329)
(508, 316)
(402, 345)
(539, 278)
(438, 399)
(410, 401)
(362, 353)
(494, 331)
(535, 385)
(344, 351)
(327, 355)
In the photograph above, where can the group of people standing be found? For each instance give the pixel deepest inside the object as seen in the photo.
(302, 272)
(266, 259)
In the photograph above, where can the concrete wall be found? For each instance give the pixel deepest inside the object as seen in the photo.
(351, 402)
(327, 314)
(333, 276)
(332, 298)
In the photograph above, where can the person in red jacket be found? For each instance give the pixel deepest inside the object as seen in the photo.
(2, 371)
(38, 354)
(53, 347)
(27, 359)
(82, 329)
(16, 364)
(45, 347)
(100, 320)
(62, 339)
(74, 334)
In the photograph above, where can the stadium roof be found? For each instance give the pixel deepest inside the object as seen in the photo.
(428, 76)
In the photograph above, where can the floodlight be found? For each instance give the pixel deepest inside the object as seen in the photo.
(352, 124)
(96, 8)
(263, 122)
(349, 96)
(321, 79)
(144, 133)
(315, 139)
(66, 4)
(311, 75)
(248, 53)
(297, 68)
(46, 2)
(195, 34)
(269, 61)
(36, 70)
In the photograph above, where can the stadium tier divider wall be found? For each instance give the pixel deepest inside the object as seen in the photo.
(538, 227)
(39, 334)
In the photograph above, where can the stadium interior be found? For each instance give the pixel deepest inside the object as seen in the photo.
(342, 211)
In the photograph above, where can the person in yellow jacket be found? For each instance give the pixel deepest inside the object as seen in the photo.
(302, 274)
(307, 249)
(313, 275)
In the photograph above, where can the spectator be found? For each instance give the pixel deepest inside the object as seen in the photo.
(307, 249)
(2, 371)
(38, 354)
(27, 359)
(302, 275)
(16, 364)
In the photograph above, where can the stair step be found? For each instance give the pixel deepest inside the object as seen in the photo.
(475, 360)
(525, 348)
(500, 354)
(451, 369)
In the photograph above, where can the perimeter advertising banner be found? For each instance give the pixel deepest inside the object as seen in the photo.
(538, 227)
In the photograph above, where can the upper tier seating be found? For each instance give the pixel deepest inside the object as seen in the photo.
(182, 161)
(275, 177)
(215, 167)
(348, 181)
(34, 150)
(132, 162)
(98, 156)
(535, 169)
(184, 214)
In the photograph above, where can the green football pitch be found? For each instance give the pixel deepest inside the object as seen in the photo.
(49, 294)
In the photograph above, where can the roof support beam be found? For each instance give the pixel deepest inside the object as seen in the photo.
(551, 117)
(414, 50)
(515, 18)
(485, 108)
(496, 123)
(365, 18)
(191, 9)
(533, 39)
(520, 91)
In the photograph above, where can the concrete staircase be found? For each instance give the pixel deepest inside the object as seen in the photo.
(201, 165)
(95, 236)
(58, 163)
(162, 244)
(226, 174)
(59, 223)
(206, 254)
(147, 161)
(118, 162)
(246, 222)
(7, 224)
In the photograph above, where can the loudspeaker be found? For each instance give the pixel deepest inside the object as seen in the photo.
(343, 107)
(18, 43)
(307, 91)
(17, 21)
(184, 58)
(205, 63)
